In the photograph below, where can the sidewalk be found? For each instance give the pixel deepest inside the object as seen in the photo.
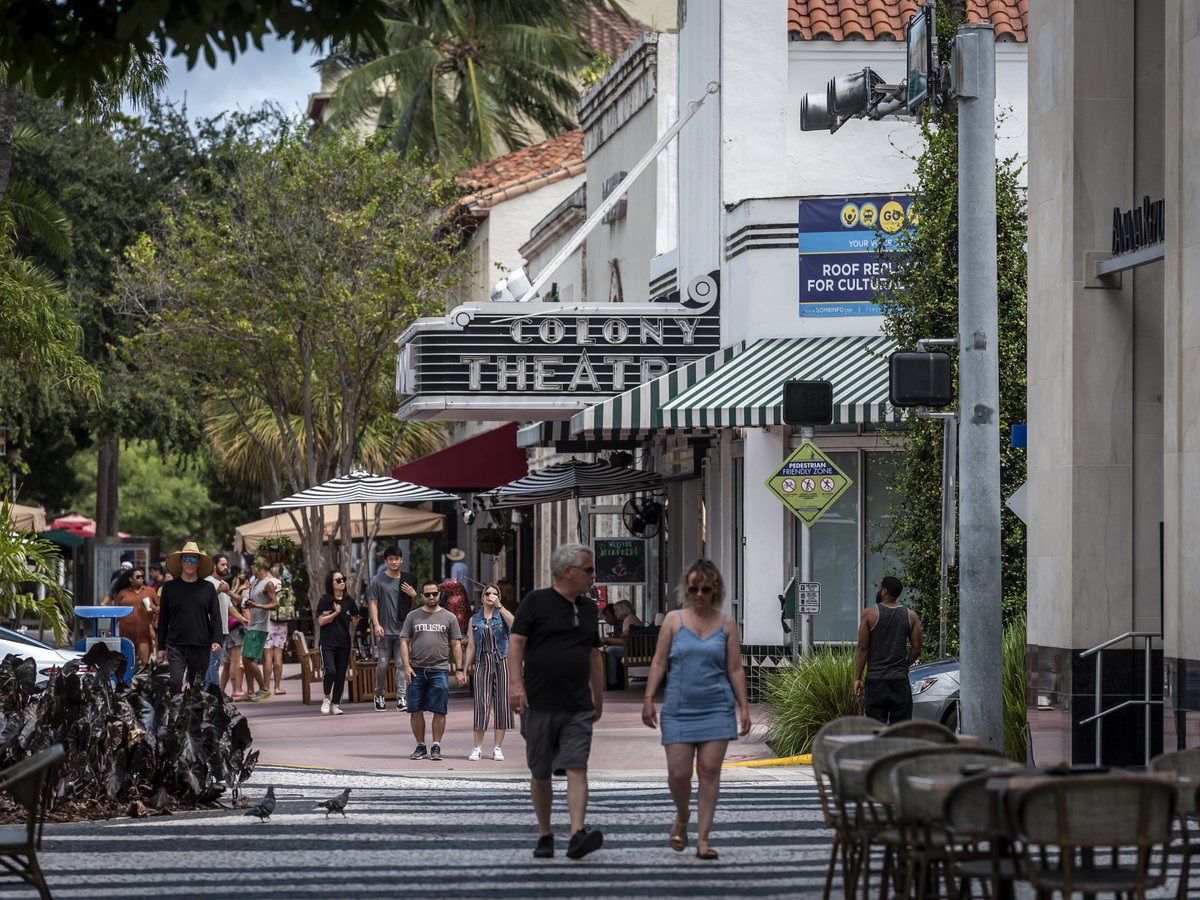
(288, 733)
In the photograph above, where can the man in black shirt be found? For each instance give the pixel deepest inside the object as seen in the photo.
(889, 642)
(556, 675)
(189, 616)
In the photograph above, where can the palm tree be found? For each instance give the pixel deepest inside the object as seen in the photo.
(468, 78)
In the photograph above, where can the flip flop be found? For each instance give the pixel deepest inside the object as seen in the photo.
(277, 691)
(678, 839)
(710, 853)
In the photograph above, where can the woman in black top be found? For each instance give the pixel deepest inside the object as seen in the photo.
(337, 617)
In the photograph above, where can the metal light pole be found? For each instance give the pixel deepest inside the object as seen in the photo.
(974, 68)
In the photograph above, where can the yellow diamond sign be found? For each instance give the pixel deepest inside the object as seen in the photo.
(808, 482)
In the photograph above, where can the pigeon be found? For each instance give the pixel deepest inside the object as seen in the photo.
(265, 807)
(337, 804)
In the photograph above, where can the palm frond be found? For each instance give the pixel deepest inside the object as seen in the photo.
(35, 213)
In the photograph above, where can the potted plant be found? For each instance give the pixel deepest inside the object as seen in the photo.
(494, 540)
(276, 549)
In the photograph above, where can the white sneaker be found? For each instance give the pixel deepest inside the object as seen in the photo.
(497, 754)
(336, 710)
(476, 754)
(325, 707)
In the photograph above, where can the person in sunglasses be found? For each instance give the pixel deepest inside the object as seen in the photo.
(337, 617)
(698, 649)
(430, 641)
(556, 685)
(189, 618)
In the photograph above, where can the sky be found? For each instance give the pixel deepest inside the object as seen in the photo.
(274, 73)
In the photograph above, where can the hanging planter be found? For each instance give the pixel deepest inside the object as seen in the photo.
(494, 541)
(275, 549)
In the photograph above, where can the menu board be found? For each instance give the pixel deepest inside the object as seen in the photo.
(620, 560)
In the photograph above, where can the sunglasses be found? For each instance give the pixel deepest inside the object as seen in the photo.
(139, 577)
(700, 589)
(575, 614)
(430, 593)
(189, 559)
(589, 569)
(339, 581)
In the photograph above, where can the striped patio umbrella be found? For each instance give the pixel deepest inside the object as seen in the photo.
(361, 487)
(569, 481)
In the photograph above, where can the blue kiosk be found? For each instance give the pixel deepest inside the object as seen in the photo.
(124, 645)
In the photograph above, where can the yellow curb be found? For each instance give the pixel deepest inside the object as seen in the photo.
(804, 760)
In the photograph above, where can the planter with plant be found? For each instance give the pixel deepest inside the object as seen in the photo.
(276, 550)
(495, 540)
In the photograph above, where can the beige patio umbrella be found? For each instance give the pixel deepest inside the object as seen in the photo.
(394, 521)
(27, 518)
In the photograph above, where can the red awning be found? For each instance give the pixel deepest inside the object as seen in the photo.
(479, 463)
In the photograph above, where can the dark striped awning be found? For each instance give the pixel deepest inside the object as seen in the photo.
(361, 487)
(569, 480)
(748, 392)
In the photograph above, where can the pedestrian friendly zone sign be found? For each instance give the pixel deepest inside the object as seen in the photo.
(808, 482)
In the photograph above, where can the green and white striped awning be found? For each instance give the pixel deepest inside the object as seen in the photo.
(640, 410)
(749, 391)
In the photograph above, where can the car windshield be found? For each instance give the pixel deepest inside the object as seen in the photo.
(7, 634)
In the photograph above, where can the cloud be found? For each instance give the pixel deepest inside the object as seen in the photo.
(274, 74)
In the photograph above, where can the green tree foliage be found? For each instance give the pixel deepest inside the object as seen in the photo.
(284, 286)
(73, 50)
(29, 566)
(469, 78)
(920, 300)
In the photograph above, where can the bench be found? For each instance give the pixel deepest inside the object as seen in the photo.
(639, 652)
(360, 674)
(31, 783)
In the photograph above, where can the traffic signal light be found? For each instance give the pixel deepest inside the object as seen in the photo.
(920, 379)
(808, 402)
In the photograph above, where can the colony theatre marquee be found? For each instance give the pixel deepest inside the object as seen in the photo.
(515, 361)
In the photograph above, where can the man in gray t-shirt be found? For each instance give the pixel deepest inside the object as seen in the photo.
(389, 598)
(431, 645)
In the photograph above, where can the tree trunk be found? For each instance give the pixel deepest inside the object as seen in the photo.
(108, 451)
(8, 123)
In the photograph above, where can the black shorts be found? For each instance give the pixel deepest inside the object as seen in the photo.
(889, 700)
(556, 740)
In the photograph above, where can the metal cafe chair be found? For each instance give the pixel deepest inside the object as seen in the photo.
(974, 812)
(919, 786)
(1095, 833)
(1186, 766)
(30, 782)
(860, 824)
(934, 732)
(847, 725)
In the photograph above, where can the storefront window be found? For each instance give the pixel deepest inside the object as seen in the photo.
(842, 559)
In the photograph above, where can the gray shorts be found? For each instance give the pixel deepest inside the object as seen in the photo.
(556, 740)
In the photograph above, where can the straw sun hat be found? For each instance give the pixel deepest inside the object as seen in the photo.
(454, 554)
(175, 561)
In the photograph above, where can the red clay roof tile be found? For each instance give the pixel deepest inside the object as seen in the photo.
(884, 20)
(557, 157)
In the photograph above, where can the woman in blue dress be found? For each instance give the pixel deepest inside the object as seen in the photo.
(698, 648)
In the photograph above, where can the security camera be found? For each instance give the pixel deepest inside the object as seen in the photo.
(468, 515)
(512, 286)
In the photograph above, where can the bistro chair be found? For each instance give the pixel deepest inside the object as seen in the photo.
(860, 824)
(1186, 765)
(847, 725)
(927, 844)
(975, 813)
(1095, 833)
(933, 732)
(30, 782)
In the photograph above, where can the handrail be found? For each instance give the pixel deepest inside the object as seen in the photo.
(1145, 701)
(1121, 637)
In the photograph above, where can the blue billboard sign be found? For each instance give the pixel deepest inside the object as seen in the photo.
(841, 262)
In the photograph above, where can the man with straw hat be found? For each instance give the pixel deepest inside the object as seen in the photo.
(189, 617)
(458, 566)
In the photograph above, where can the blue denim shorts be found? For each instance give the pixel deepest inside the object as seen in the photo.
(429, 691)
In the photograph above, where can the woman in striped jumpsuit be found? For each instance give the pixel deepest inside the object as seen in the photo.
(487, 649)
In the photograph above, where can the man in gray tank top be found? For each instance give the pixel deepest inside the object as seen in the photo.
(889, 641)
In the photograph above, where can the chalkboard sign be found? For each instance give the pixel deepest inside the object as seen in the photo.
(620, 560)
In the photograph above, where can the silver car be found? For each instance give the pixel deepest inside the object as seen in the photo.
(935, 691)
(47, 658)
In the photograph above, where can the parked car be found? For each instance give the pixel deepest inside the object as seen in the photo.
(47, 658)
(935, 691)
